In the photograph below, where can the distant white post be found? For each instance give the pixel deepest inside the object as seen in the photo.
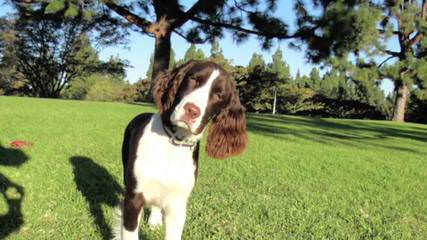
(274, 101)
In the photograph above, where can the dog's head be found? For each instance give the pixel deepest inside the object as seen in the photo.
(197, 92)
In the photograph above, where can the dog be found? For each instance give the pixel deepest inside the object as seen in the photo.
(161, 151)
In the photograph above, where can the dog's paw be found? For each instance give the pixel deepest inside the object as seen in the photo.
(156, 219)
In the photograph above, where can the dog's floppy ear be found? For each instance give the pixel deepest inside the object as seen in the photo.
(167, 84)
(227, 134)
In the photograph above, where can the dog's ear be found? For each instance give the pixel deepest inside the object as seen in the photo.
(166, 86)
(227, 133)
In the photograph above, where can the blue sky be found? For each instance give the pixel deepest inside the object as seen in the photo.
(140, 47)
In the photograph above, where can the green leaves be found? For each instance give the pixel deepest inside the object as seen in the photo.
(72, 11)
(55, 6)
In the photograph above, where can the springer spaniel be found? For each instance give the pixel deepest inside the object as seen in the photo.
(161, 151)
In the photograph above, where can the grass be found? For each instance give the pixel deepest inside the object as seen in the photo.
(300, 178)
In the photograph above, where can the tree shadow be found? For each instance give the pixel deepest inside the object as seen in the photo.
(324, 131)
(98, 187)
(13, 193)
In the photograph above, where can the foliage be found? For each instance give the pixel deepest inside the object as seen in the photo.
(417, 109)
(216, 49)
(366, 28)
(256, 63)
(107, 89)
(218, 58)
(143, 87)
(52, 54)
(255, 88)
(50, 50)
(11, 81)
(315, 79)
(280, 68)
(295, 100)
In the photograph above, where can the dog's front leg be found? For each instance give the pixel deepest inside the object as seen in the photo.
(132, 207)
(175, 219)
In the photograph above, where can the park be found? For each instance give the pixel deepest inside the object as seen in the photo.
(337, 145)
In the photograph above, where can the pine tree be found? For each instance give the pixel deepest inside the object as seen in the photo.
(216, 49)
(297, 78)
(256, 63)
(315, 79)
(365, 29)
(280, 68)
(193, 53)
(218, 58)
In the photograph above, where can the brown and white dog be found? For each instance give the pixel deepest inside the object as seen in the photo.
(161, 151)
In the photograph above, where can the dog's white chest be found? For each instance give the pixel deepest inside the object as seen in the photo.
(163, 171)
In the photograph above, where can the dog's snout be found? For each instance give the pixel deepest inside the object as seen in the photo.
(191, 110)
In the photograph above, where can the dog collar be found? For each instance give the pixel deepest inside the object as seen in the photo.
(178, 142)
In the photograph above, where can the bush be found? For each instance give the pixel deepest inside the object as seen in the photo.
(105, 90)
(79, 87)
(129, 93)
(292, 99)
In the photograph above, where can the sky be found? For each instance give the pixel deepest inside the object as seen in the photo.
(140, 47)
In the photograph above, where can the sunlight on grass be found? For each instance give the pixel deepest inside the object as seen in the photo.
(300, 178)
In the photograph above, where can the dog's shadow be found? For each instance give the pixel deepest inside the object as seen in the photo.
(12, 193)
(98, 187)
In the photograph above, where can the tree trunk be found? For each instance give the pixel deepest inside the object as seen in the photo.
(162, 51)
(400, 104)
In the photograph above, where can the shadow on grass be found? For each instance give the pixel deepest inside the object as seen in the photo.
(13, 193)
(143, 104)
(98, 187)
(328, 131)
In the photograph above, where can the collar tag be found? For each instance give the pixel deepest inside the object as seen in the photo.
(173, 140)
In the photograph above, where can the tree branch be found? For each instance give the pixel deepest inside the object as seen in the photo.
(240, 29)
(186, 38)
(386, 60)
(382, 31)
(128, 15)
(185, 16)
(392, 53)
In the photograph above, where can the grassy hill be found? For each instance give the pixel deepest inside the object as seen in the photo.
(300, 178)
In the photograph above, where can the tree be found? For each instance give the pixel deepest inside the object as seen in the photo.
(315, 79)
(11, 81)
(334, 85)
(218, 58)
(203, 21)
(280, 68)
(193, 53)
(256, 63)
(368, 26)
(172, 64)
(51, 54)
(52, 50)
(216, 50)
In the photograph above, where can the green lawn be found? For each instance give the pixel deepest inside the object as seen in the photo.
(300, 178)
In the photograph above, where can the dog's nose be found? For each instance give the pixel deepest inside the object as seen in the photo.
(191, 110)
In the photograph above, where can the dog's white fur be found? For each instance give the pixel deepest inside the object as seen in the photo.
(200, 98)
